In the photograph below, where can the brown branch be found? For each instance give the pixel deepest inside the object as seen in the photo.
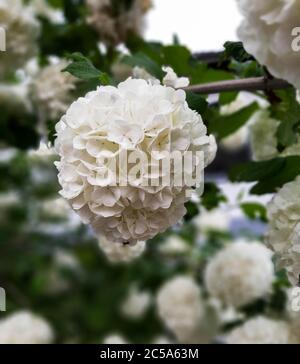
(247, 84)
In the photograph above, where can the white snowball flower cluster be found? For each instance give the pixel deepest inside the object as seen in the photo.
(52, 89)
(98, 130)
(121, 253)
(267, 34)
(25, 328)
(182, 309)
(260, 330)
(114, 21)
(283, 234)
(240, 273)
(22, 29)
(136, 303)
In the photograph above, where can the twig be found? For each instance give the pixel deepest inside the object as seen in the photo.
(247, 84)
(208, 57)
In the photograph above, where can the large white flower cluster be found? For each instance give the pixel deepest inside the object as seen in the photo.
(114, 21)
(101, 128)
(283, 234)
(240, 273)
(121, 253)
(267, 34)
(51, 90)
(260, 330)
(25, 328)
(182, 309)
(22, 29)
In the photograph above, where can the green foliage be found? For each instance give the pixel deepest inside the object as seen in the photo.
(269, 175)
(83, 68)
(254, 211)
(212, 196)
(224, 125)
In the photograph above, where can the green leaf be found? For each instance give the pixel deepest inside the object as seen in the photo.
(269, 175)
(223, 126)
(227, 97)
(212, 196)
(236, 51)
(83, 68)
(196, 102)
(287, 111)
(254, 211)
(192, 211)
(142, 60)
(178, 58)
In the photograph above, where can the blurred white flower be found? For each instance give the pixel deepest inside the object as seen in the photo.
(119, 252)
(161, 340)
(114, 21)
(283, 234)
(260, 330)
(136, 303)
(95, 134)
(15, 96)
(214, 220)
(25, 328)
(142, 74)
(51, 90)
(42, 8)
(114, 339)
(22, 29)
(239, 139)
(267, 34)
(44, 151)
(174, 245)
(293, 312)
(263, 138)
(240, 273)
(171, 79)
(182, 309)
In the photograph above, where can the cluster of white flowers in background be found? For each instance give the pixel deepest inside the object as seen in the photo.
(240, 273)
(51, 90)
(22, 29)
(260, 330)
(15, 96)
(135, 116)
(136, 303)
(267, 34)
(114, 22)
(283, 234)
(184, 312)
(174, 245)
(263, 138)
(25, 328)
(121, 253)
(217, 220)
